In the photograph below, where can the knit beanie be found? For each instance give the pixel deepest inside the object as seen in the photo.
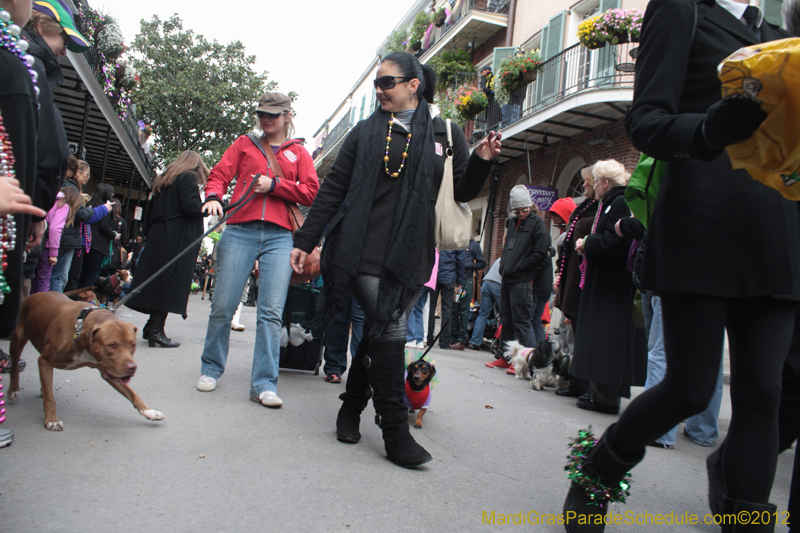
(520, 197)
(563, 207)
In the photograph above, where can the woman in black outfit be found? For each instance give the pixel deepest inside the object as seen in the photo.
(102, 235)
(120, 226)
(723, 251)
(174, 220)
(394, 196)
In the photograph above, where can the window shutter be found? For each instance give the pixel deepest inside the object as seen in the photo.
(500, 54)
(772, 11)
(555, 35)
(373, 101)
(543, 46)
(605, 5)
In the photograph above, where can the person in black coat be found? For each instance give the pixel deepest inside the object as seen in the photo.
(723, 251)
(473, 261)
(174, 221)
(378, 203)
(102, 235)
(18, 106)
(604, 354)
(120, 226)
(527, 272)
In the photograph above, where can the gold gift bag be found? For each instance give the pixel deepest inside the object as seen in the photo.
(768, 73)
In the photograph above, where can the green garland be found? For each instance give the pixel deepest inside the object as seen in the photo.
(599, 493)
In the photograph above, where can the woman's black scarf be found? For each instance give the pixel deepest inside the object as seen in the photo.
(400, 273)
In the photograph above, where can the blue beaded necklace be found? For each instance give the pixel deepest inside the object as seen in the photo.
(9, 39)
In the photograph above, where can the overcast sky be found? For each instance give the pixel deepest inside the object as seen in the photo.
(317, 48)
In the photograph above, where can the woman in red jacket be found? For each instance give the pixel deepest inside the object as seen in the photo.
(260, 231)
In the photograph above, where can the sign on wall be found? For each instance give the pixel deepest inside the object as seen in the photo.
(137, 213)
(543, 197)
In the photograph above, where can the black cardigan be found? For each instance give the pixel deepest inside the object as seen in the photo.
(469, 174)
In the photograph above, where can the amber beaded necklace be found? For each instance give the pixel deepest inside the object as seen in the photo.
(386, 155)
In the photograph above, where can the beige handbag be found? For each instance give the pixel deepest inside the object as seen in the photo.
(453, 219)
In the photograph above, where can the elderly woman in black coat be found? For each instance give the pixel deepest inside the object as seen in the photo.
(604, 342)
(174, 221)
(378, 205)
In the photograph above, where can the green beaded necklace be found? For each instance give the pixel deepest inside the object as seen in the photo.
(386, 155)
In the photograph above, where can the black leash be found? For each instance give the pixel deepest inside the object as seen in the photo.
(436, 338)
(229, 212)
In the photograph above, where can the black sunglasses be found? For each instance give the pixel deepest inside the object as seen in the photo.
(273, 116)
(387, 82)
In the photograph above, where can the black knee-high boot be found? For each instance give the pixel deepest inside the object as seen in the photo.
(602, 468)
(157, 335)
(386, 369)
(354, 398)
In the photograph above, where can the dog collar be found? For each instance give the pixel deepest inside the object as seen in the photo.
(81, 317)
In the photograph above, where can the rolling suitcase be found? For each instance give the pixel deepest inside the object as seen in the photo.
(300, 307)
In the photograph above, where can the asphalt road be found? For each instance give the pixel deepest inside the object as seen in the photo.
(222, 463)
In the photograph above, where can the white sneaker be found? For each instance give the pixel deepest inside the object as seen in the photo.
(206, 384)
(420, 346)
(411, 345)
(237, 327)
(268, 399)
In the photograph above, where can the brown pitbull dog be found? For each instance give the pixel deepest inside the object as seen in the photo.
(67, 337)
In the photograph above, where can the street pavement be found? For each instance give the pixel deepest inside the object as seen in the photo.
(222, 463)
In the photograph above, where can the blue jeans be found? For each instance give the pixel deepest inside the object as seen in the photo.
(416, 329)
(58, 277)
(490, 295)
(238, 249)
(339, 333)
(701, 428)
(537, 308)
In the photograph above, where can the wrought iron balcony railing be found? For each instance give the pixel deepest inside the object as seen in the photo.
(574, 71)
(487, 6)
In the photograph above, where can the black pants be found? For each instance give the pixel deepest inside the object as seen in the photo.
(91, 268)
(460, 328)
(516, 300)
(447, 292)
(759, 330)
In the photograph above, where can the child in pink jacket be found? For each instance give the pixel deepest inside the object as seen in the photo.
(56, 219)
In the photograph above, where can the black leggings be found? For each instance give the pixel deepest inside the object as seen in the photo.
(759, 331)
(366, 291)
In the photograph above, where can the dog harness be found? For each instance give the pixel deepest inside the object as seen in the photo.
(81, 317)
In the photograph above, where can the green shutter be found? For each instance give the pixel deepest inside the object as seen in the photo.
(373, 101)
(500, 54)
(772, 11)
(605, 5)
(549, 79)
(363, 105)
(555, 35)
(543, 46)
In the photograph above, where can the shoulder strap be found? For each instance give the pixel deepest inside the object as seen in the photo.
(449, 134)
(272, 161)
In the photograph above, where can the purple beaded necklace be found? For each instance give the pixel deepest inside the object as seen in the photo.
(569, 238)
(9, 39)
(594, 230)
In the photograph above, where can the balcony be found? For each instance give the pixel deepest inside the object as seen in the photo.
(575, 91)
(475, 20)
(333, 142)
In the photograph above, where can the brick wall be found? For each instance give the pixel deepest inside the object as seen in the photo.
(548, 163)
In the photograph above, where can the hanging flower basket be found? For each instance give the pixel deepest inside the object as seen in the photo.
(470, 101)
(515, 73)
(440, 18)
(615, 26)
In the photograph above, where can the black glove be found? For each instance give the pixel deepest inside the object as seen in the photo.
(730, 121)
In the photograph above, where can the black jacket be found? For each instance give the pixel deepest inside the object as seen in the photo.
(102, 235)
(51, 144)
(526, 254)
(20, 117)
(714, 231)
(475, 259)
(469, 174)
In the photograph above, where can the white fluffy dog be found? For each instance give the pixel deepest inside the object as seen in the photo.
(541, 361)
